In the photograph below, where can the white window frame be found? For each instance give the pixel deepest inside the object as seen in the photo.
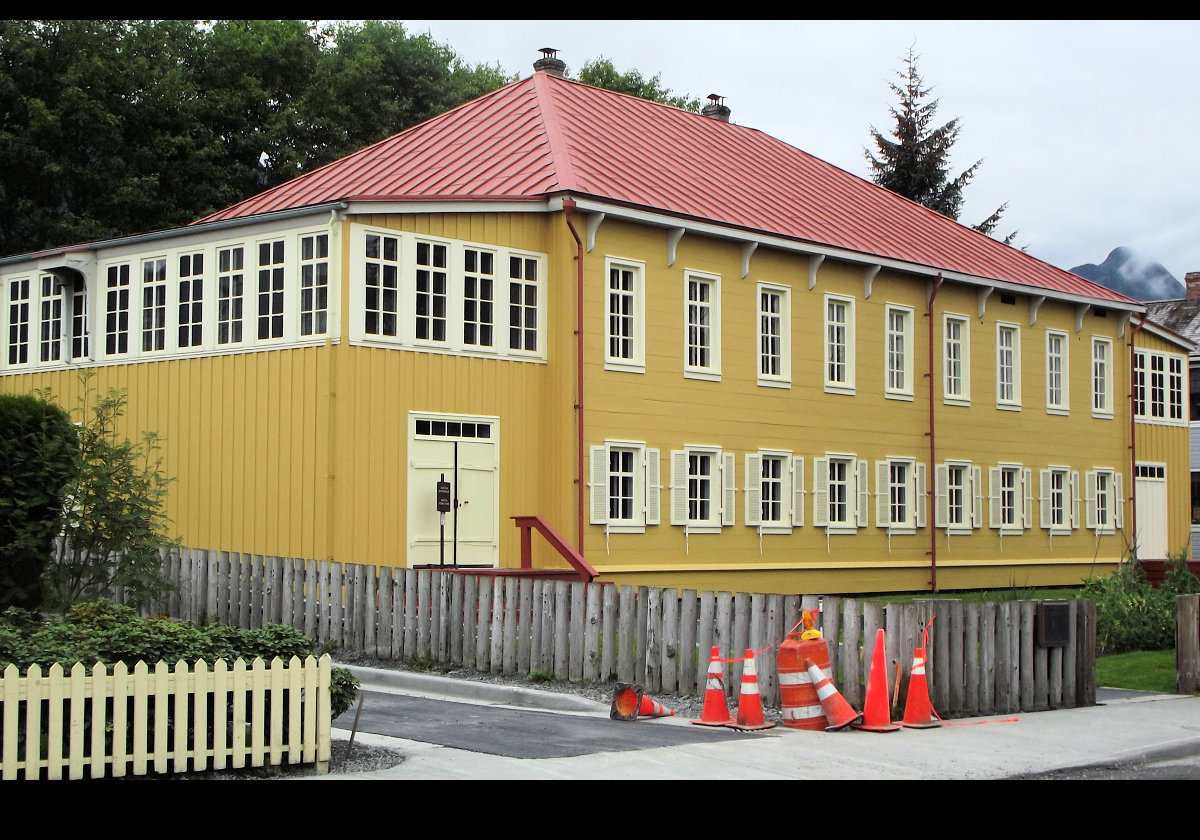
(1058, 373)
(287, 294)
(963, 345)
(645, 492)
(1160, 381)
(1067, 492)
(155, 281)
(18, 313)
(970, 494)
(702, 326)
(1010, 517)
(772, 346)
(634, 360)
(719, 492)
(1104, 500)
(791, 491)
(190, 287)
(1008, 394)
(838, 335)
(229, 297)
(313, 283)
(854, 483)
(898, 352)
(900, 503)
(1102, 378)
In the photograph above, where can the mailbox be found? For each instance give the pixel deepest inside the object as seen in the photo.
(1053, 623)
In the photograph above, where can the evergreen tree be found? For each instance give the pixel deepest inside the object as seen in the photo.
(915, 161)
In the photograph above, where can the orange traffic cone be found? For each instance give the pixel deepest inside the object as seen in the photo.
(877, 715)
(838, 712)
(716, 710)
(750, 710)
(653, 709)
(918, 713)
(626, 703)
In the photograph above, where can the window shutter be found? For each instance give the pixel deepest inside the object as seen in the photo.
(977, 497)
(679, 487)
(728, 487)
(753, 489)
(994, 497)
(1118, 482)
(652, 487)
(921, 500)
(599, 485)
(1044, 499)
(1089, 483)
(864, 493)
(821, 492)
(797, 491)
(883, 516)
(941, 496)
(1027, 490)
(1075, 499)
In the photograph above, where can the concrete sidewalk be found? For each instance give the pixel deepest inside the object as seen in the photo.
(1124, 727)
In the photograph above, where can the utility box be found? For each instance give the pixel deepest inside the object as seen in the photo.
(1052, 623)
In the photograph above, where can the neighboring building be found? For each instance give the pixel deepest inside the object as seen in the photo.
(704, 357)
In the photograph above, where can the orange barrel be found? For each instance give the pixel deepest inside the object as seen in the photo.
(801, 705)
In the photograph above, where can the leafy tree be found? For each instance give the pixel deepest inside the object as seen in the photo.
(113, 521)
(39, 454)
(915, 161)
(600, 72)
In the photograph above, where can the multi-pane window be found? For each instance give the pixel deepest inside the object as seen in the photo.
(80, 338)
(701, 481)
(900, 494)
(774, 491)
(18, 321)
(1104, 500)
(1008, 366)
(1010, 498)
(1102, 377)
(191, 299)
(898, 359)
(774, 351)
(840, 494)
(1057, 379)
(620, 484)
(116, 310)
(270, 289)
(624, 327)
(701, 326)
(839, 344)
(624, 486)
(154, 305)
(231, 291)
(479, 289)
(522, 304)
(1175, 388)
(1158, 387)
(702, 488)
(431, 291)
(314, 284)
(1059, 496)
(956, 360)
(957, 497)
(381, 260)
(50, 324)
(771, 499)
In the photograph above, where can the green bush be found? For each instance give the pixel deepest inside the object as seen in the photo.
(1131, 614)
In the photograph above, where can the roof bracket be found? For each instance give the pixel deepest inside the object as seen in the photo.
(1035, 303)
(814, 262)
(1080, 310)
(747, 251)
(593, 222)
(869, 278)
(673, 237)
(1123, 319)
(983, 295)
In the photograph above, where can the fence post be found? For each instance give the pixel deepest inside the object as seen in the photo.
(1187, 643)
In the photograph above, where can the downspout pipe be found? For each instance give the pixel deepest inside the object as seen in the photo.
(931, 481)
(569, 209)
(1133, 437)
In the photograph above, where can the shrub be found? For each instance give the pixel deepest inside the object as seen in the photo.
(1131, 614)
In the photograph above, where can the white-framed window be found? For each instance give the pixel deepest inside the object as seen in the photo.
(1158, 387)
(774, 336)
(956, 360)
(50, 320)
(1102, 361)
(625, 316)
(479, 299)
(898, 352)
(314, 284)
(625, 488)
(81, 341)
(1104, 500)
(1010, 498)
(432, 291)
(381, 284)
(774, 491)
(702, 488)
(116, 309)
(958, 497)
(701, 326)
(523, 305)
(1059, 499)
(191, 299)
(271, 284)
(1058, 379)
(1008, 366)
(840, 493)
(839, 344)
(900, 495)
(18, 321)
(154, 304)
(231, 294)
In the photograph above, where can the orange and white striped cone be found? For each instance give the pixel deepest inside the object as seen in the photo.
(653, 709)
(877, 714)
(750, 710)
(838, 712)
(918, 713)
(627, 701)
(716, 710)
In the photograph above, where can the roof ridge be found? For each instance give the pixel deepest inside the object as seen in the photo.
(561, 161)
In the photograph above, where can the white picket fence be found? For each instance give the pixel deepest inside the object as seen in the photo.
(99, 723)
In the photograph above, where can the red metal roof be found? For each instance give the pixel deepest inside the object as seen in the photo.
(548, 135)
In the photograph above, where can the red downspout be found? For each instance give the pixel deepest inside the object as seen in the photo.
(931, 481)
(569, 208)
(1133, 437)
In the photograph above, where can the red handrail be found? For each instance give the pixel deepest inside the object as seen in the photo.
(528, 523)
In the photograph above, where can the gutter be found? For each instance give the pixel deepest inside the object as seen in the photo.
(1133, 439)
(931, 480)
(569, 207)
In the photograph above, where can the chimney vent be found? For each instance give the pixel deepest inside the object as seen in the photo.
(716, 108)
(550, 63)
(1191, 282)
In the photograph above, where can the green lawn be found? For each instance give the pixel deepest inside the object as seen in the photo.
(1141, 670)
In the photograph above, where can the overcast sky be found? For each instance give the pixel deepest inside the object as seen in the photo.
(1088, 129)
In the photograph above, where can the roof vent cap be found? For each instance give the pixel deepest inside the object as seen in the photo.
(550, 63)
(716, 108)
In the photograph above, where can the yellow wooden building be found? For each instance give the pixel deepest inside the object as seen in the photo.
(701, 356)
